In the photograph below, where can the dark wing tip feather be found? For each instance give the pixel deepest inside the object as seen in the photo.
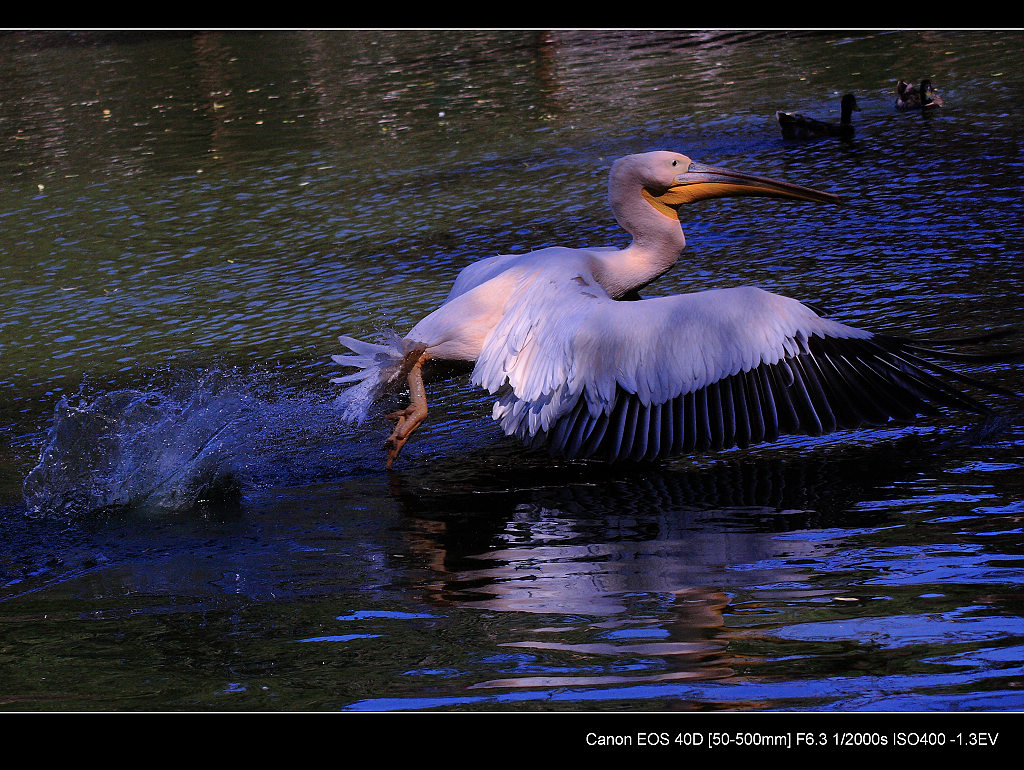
(838, 384)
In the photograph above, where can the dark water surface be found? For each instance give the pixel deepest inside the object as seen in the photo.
(188, 222)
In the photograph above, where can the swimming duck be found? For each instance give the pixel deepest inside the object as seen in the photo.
(911, 97)
(800, 127)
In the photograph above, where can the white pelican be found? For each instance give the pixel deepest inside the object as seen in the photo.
(574, 365)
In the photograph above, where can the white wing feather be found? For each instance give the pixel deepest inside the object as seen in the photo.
(561, 339)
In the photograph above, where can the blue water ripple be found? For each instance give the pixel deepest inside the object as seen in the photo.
(866, 694)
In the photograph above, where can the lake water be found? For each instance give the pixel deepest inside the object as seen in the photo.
(189, 221)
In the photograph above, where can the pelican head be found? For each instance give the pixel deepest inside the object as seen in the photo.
(670, 180)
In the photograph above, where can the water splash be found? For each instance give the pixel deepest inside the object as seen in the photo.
(198, 441)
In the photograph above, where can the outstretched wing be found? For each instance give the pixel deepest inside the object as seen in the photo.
(640, 380)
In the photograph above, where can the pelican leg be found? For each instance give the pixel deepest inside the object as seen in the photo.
(409, 419)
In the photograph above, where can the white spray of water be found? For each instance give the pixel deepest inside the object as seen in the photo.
(201, 440)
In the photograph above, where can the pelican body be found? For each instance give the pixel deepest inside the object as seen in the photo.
(574, 364)
(795, 126)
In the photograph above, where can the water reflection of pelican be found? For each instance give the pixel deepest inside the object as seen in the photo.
(575, 367)
(564, 538)
(628, 577)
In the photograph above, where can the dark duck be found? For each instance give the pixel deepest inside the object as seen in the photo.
(800, 127)
(916, 97)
